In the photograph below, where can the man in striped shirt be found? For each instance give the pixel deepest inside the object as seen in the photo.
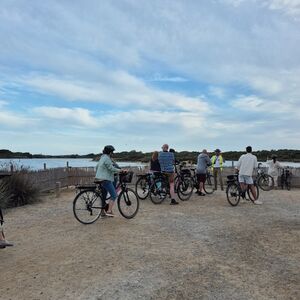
(167, 160)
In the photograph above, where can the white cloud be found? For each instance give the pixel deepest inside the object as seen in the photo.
(289, 7)
(14, 120)
(73, 116)
(119, 89)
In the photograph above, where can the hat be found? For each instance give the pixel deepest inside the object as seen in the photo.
(218, 150)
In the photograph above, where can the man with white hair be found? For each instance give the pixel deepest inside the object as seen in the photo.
(203, 162)
(167, 160)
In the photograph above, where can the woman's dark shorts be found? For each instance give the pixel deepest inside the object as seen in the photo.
(201, 177)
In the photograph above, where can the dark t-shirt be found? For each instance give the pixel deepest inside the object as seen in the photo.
(154, 165)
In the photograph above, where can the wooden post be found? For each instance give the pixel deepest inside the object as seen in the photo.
(232, 163)
(57, 189)
(11, 168)
(67, 164)
(45, 166)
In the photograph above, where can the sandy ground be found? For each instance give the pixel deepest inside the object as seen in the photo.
(200, 249)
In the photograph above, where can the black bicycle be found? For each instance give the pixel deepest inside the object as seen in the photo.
(285, 179)
(143, 184)
(160, 188)
(264, 181)
(209, 182)
(234, 191)
(89, 204)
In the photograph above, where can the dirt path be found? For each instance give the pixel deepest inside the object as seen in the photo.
(200, 249)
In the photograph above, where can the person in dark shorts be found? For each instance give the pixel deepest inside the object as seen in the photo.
(203, 162)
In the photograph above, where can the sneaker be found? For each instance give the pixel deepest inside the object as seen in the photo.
(201, 194)
(257, 202)
(109, 214)
(173, 202)
(4, 243)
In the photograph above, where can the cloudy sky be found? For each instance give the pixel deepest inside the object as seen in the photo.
(76, 75)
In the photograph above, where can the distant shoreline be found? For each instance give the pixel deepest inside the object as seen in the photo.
(288, 155)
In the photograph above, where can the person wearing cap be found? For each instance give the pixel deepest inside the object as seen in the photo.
(273, 169)
(167, 160)
(217, 168)
(105, 170)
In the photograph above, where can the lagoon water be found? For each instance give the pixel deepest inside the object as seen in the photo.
(38, 163)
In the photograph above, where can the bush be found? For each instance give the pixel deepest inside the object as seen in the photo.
(17, 190)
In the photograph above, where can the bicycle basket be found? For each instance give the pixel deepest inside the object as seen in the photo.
(185, 172)
(231, 177)
(126, 177)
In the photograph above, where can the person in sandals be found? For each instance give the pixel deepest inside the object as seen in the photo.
(105, 171)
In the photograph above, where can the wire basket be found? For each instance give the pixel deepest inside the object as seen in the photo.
(126, 177)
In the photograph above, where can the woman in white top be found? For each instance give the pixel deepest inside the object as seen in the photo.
(273, 169)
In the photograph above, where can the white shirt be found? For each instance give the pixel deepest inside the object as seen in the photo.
(217, 162)
(273, 167)
(247, 164)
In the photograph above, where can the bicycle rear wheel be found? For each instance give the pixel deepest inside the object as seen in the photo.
(209, 185)
(185, 188)
(128, 203)
(233, 194)
(142, 188)
(87, 206)
(266, 182)
(249, 193)
(158, 191)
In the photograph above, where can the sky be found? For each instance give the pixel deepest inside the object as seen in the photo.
(78, 75)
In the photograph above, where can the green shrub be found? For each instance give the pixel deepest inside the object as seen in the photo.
(18, 190)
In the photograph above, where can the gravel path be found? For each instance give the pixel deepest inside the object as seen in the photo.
(200, 249)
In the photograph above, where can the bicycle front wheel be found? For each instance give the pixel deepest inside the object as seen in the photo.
(233, 194)
(142, 188)
(185, 189)
(209, 185)
(266, 182)
(158, 191)
(87, 206)
(128, 203)
(249, 192)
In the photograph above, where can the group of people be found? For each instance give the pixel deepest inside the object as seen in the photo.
(164, 161)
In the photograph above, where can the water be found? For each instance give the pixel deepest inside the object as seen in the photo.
(38, 163)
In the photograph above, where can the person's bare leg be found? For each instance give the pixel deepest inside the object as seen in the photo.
(253, 191)
(202, 187)
(110, 206)
(171, 182)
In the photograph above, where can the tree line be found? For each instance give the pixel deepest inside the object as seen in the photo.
(262, 155)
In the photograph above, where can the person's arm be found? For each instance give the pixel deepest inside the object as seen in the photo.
(109, 165)
(238, 165)
(208, 161)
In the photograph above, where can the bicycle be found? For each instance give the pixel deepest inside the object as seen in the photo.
(89, 204)
(234, 191)
(142, 185)
(264, 181)
(285, 179)
(209, 182)
(160, 188)
(183, 183)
